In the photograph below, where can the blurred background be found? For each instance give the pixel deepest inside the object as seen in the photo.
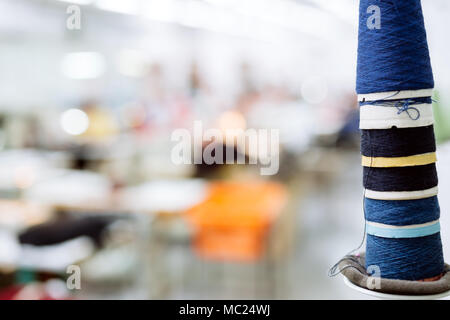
(87, 184)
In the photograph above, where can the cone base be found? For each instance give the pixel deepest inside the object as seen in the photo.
(393, 289)
(390, 296)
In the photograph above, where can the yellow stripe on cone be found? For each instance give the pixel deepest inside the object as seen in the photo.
(384, 162)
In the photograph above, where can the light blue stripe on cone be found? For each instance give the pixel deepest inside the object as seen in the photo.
(386, 232)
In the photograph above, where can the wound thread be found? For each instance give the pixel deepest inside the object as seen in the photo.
(398, 142)
(387, 162)
(401, 179)
(407, 258)
(394, 57)
(402, 212)
(394, 79)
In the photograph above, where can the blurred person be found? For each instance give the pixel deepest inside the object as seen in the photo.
(161, 108)
(205, 105)
(197, 85)
(249, 94)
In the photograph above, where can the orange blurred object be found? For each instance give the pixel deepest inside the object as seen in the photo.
(234, 220)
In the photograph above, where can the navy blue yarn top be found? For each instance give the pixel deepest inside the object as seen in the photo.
(394, 56)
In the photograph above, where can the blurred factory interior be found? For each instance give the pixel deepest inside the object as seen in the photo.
(87, 112)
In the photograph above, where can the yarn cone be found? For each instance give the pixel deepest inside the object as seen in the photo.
(394, 86)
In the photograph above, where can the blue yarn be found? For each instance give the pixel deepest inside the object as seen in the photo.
(396, 142)
(402, 212)
(392, 102)
(406, 259)
(412, 178)
(394, 57)
(402, 105)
